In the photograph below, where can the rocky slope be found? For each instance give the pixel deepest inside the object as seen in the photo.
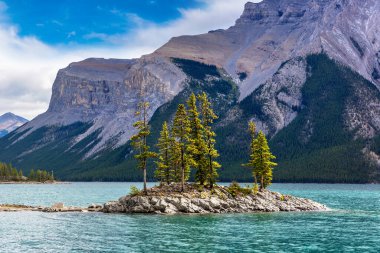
(219, 200)
(10, 122)
(257, 70)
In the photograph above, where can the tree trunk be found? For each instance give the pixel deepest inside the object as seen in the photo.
(168, 167)
(145, 189)
(211, 174)
(262, 183)
(183, 171)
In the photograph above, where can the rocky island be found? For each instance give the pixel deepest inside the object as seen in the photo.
(220, 199)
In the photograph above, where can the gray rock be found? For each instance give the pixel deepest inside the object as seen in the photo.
(104, 93)
(176, 203)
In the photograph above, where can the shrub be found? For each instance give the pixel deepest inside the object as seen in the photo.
(134, 191)
(235, 190)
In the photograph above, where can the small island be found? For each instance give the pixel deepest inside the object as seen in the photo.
(220, 199)
(185, 146)
(189, 143)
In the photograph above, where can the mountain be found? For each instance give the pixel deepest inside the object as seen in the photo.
(307, 72)
(10, 122)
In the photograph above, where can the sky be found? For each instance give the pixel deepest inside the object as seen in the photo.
(39, 37)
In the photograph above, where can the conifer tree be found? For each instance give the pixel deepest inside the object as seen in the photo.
(32, 175)
(197, 145)
(164, 169)
(181, 131)
(139, 140)
(208, 117)
(251, 164)
(263, 160)
(175, 158)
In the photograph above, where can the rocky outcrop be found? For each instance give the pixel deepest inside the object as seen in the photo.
(55, 208)
(93, 102)
(273, 31)
(218, 200)
(104, 94)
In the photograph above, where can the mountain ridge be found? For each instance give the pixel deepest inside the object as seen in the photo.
(10, 122)
(255, 70)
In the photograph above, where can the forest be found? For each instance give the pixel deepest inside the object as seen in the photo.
(8, 173)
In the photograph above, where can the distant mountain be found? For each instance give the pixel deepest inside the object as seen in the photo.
(307, 72)
(10, 122)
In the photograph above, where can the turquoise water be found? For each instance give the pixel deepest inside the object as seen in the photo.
(353, 225)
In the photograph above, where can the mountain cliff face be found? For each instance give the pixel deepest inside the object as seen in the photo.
(273, 66)
(10, 122)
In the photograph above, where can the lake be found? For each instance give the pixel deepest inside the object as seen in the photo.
(352, 226)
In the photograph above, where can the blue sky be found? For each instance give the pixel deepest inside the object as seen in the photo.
(89, 21)
(39, 37)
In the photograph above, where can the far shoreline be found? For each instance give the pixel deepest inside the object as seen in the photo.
(32, 182)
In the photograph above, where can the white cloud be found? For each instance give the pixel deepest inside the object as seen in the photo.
(28, 66)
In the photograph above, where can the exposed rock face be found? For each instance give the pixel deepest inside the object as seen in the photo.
(105, 93)
(274, 31)
(218, 201)
(264, 53)
(280, 96)
(9, 122)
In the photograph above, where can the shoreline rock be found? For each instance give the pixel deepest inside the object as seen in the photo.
(56, 208)
(205, 201)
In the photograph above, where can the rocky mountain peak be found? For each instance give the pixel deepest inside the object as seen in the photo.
(9, 122)
(267, 46)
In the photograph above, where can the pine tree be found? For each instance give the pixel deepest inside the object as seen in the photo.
(251, 164)
(139, 140)
(32, 175)
(175, 158)
(181, 131)
(208, 117)
(197, 145)
(164, 169)
(262, 161)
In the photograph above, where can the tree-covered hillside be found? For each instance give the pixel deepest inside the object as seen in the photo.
(316, 147)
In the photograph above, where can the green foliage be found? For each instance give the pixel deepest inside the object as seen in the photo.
(255, 189)
(134, 191)
(208, 117)
(242, 76)
(139, 140)
(262, 160)
(236, 190)
(316, 146)
(40, 176)
(181, 132)
(10, 173)
(165, 167)
(195, 69)
(329, 154)
(197, 146)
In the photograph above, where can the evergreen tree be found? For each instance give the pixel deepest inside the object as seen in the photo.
(175, 158)
(208, 117)
(262, 160)
(164, 169)
(181, 131)
(139, 141)
(32, 175)
(197, 145)
(251, 163)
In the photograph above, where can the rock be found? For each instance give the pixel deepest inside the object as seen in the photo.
(161, 200)
(58, 206)
(103, 93)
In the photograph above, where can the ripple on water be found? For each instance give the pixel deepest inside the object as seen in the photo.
(353, 225)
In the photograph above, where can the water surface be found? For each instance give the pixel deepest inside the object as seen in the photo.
(353, 226)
